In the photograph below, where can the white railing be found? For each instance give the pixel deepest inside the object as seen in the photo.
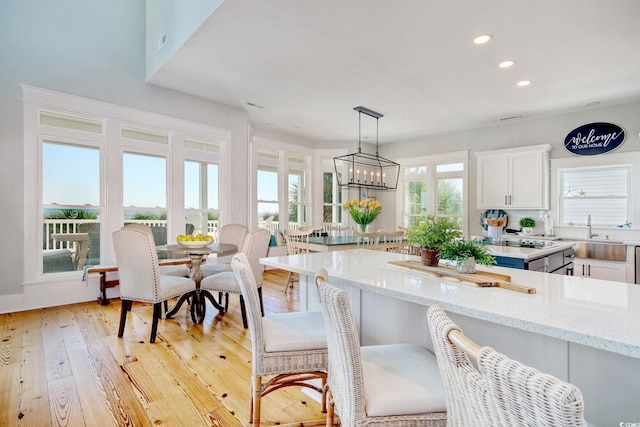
(62, 226)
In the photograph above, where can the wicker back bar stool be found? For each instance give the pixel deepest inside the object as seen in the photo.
(288, 349)
(501, 391)
(379, 385)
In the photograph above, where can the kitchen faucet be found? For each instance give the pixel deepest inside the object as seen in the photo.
(589, 233)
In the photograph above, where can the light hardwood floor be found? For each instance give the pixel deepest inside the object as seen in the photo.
(65, 366)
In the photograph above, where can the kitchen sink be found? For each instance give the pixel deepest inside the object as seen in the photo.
(605, 250)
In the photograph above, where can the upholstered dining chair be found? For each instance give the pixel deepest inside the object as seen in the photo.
(500, 391)
(139, 274)
(255, 246)
(393, 240)
(378, 385)
(367, 240)
(229, 233)
(297, 243)
(288, 349)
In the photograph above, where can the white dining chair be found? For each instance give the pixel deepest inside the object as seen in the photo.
(139, 274)
(297, 243)
(369, 240)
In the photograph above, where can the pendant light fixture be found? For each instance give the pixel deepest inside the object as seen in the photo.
(363, 170)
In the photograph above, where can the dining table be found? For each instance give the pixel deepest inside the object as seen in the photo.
(197, 255)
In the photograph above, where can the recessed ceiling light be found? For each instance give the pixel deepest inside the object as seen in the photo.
(506, 64)
(482, 39)
(523, 83)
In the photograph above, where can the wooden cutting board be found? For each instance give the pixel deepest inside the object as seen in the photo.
(482, 279)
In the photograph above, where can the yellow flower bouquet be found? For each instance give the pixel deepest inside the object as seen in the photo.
(363, 211)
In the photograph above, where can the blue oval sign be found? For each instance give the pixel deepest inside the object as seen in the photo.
(594, 138)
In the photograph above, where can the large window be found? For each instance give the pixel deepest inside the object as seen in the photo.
(434, 186)
(282, 190)
(201, 196)
(97, 166)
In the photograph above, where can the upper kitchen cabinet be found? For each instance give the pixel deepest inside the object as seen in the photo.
(515, 178)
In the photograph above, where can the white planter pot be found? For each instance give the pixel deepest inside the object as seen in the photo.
(467, 266)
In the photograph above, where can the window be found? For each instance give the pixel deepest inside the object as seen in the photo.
(97, 166)
(282, 185)
(602, 192)
(144, 189)
(268, 206)
(434, 186)
(70, 206)
(297, 197)
(332, 195)
(201, 196)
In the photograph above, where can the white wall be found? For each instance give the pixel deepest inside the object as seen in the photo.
(546, 130)
(93, 49)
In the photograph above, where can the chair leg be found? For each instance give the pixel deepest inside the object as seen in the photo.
(243, 310)
(157, 311)
(125, 307)
(226, 302)
(256, 394)
(289, 280)
(329, 409)
(261, 304)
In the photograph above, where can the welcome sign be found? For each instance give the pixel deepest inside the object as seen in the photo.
(594, 138)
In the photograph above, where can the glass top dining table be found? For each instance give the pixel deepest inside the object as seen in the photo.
(197, 255)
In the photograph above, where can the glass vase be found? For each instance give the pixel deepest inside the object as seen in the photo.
(363, 227)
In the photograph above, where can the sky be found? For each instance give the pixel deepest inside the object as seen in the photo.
(71, 176)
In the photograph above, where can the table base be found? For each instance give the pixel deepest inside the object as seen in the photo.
(198, 305)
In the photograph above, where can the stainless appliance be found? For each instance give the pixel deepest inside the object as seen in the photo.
(562, 262)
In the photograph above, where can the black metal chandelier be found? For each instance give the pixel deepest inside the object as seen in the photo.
(363, 170)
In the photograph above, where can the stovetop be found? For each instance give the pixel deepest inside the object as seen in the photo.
(525, 243)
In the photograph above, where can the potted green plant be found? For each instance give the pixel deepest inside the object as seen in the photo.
(431, 234)
(527, 223)
(467, 254)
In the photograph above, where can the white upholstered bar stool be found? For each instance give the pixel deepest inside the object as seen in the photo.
(288, 349)
(501, 391)
(379, 385)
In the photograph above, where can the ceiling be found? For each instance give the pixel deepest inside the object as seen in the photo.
(306, 64)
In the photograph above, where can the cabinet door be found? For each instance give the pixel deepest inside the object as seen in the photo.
(528, 188)
(608, 270)
(598, 269)
(493, 181)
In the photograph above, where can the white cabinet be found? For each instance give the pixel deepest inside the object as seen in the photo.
(514, 178)
(599, 269)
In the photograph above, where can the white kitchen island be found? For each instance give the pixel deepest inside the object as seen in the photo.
(581, 330)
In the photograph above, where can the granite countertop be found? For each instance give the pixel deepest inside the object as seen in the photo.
(591, 312)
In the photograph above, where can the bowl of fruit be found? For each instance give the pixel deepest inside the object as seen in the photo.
(197, 241)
